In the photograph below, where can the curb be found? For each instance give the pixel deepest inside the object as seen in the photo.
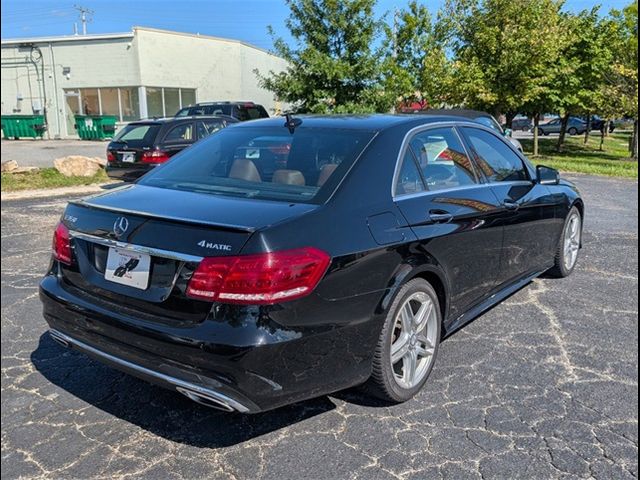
(55, 192)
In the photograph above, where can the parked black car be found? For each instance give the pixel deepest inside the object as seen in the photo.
(521, 123)
(280, 260)
(241, 111)
(142, 146)
(597, 123)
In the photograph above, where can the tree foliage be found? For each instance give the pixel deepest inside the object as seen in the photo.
(501, 56)
(332, 66)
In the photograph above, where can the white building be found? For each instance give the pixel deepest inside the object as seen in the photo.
(145, 73)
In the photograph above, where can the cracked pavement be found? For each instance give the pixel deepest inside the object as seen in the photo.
(545, 385)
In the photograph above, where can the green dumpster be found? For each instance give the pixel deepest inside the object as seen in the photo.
(17, 126)
(96, 127)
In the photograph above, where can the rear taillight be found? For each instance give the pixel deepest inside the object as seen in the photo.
(62, 244)
(155, 156)
(111, 157)
(261, 279)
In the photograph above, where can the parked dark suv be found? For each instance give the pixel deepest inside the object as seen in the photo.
(140, 146)
(241, 111)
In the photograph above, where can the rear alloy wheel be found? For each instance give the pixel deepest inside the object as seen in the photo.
(408, 343)
(573, 131)
(569, 247)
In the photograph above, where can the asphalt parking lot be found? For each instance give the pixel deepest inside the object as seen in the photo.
(41, 153)
(543, 386)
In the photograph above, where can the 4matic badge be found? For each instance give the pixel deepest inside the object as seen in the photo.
(214, 246)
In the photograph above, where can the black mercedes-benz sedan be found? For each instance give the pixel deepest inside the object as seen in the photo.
(284, 259)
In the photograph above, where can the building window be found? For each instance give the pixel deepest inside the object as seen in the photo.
(165, 102)
(90, 101)
(171, 101)
(188, 96)
(130, 103)
(154, 102)
(123, 102)
(109, 101)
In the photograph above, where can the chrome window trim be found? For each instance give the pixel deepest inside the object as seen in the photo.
(461, 188)
(154, 252)
(454, 125)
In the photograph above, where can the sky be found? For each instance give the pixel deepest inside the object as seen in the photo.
(245, 20)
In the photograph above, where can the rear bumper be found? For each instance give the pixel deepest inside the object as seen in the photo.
(128, 171)
(233, 365)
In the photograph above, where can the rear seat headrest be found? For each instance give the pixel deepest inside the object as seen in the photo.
(325, 172)
(244, 169)
(288, 177)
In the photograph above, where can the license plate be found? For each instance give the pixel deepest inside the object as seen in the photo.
(128, 268)
(128, 157)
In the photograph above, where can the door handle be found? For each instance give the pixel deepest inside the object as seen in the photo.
(439, 216)
(513, 206)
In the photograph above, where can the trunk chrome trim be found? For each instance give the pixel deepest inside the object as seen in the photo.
(87, 204)
(154, 252)
(182, 386)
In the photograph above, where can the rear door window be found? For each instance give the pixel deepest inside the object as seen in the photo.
(205, 128)
(442, 159)
(182, 133)
(409, 179)
(494, 157)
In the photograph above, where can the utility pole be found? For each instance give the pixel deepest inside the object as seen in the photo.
(85, 17)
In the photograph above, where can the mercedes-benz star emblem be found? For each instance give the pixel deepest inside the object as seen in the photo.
(120, 226)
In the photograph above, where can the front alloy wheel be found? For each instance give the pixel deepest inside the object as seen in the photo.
(570, 244)
(408, 343)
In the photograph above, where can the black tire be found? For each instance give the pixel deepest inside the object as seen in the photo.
(560, 269)
(541, 131)
(573, 131)
(382, 383)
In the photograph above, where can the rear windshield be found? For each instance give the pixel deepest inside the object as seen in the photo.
(264, 162)
(141, 135)
(244, 113)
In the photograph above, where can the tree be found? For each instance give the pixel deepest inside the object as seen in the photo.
(332, 67)
(505, 51)
(622, 78)
(416, 65)
(585, 58)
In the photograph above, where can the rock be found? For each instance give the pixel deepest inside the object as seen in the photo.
(101, 160)
(25, 169)
(9, 166)
(77, 166)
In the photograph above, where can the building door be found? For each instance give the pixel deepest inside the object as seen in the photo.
(72, 107)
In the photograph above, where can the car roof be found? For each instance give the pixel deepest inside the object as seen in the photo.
(165, 120)
(371, 122)
(458, 112)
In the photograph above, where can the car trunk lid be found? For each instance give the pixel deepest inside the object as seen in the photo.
(174, 229)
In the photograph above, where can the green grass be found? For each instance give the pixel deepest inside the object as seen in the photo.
(47, 178)
(580, 158)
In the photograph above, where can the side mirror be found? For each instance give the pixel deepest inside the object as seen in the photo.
(508, 132)
(547, 176)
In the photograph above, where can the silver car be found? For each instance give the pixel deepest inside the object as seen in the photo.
(575, 126)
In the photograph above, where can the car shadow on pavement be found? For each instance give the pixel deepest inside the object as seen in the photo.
(162, 412)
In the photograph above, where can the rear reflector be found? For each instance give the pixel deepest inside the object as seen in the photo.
(62, 244)
(261, 279)
(155, 156)
(111, 157)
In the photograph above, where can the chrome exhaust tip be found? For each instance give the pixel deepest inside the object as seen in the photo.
(206, 399)
(58, 339)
